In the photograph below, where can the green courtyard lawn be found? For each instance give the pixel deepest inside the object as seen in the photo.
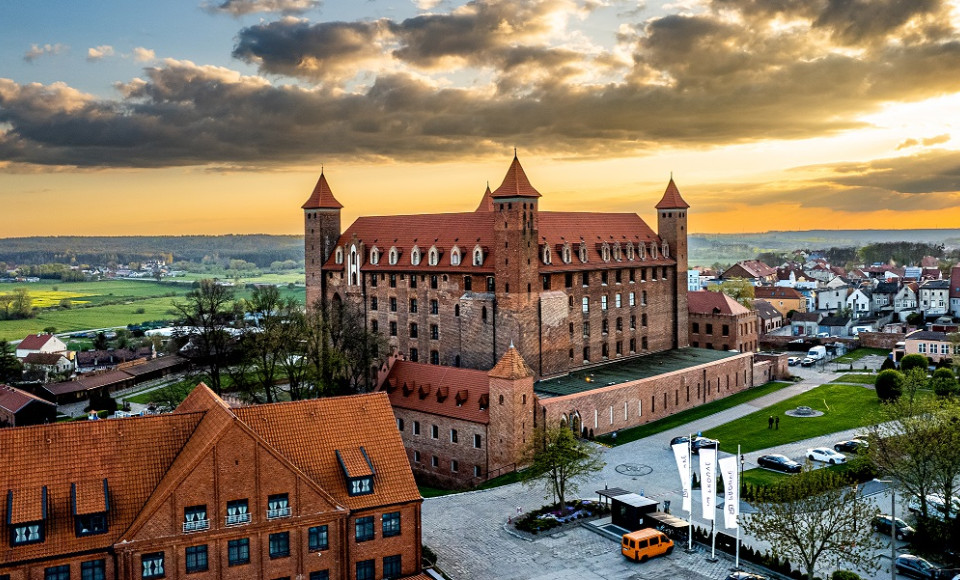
(855, 355)
(858, 378)
(844, 406)
(683, 417)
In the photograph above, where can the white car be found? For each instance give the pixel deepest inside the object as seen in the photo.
(793, 361)
(826, 455)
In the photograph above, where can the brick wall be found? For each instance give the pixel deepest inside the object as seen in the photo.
(778, 367)
(885, 340)
(741, 331)
(443, 448)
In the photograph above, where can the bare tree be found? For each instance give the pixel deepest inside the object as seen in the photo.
(206, 315)
(342, 351)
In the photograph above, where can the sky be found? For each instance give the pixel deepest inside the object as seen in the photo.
(217, 116)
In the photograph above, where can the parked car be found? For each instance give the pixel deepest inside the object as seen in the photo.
(825, 455)
(851, 445)
(697, 444)
(808, 362)
(780, 463)
(936, 507)
(792, 361)
(883, 523)
(745, 576)
(910, 565)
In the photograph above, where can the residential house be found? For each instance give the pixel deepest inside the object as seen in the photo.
(93, 360)
(831, 299)
(46, 343)
(859, 301)
(884, 295)
(934, 297)
(693, 280)
(753, 270)
(836, 326)
(805, 324)
(19, 408)
(719, 322)
(770, 317)
(46, 364)
(930, 262)
(314, 489)
(955, 291)
(783, 299)
(934, 345)
(906, 299)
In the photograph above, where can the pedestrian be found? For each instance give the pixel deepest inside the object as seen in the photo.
(777, 423)
(770, 422)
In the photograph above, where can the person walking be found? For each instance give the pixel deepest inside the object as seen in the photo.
(777, 423)
(770, 422)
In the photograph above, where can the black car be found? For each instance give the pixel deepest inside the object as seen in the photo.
(779, 463)
(910, 565)
(851, 446)
(698, 443)
(745, 576)
(883, 523)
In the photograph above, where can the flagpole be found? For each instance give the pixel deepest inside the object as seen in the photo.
(739, 489)
(690, 479)
(713, 520)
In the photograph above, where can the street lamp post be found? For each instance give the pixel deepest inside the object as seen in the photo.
(739, 506)
(893, 527)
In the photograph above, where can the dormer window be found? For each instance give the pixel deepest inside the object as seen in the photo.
(375, 256)
(567, 257)
(415, 256)
(455, 256)
(653, 251)
(605, 252)
(338, 255)
(616, 252)
(393, 256)
(478, 256)
(90, 504)
(642, 249)
(665, 249)
(26, 516)
(278, 506)
(630, 251)
(583, 252)
(546, 254)
(357, 470)
(433, 256)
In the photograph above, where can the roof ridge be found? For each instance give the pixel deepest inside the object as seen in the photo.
(515, 182)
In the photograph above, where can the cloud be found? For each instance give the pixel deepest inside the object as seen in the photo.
(141, 54)
(426, 4)
(36, 51)
(938, 140)
(99, 52)
(241, 7)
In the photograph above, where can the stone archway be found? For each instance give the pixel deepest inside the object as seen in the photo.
(576, 425)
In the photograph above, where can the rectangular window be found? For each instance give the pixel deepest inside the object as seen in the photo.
(237, 512)
(195, 518)
(366, 569)
(391, 524)
(393, 328)
(374, 326)
(364, 531)
(709, 328)
(586, 304)
(91, 524)
(453, 436)
(93, 570)
(416, 427)
(434, 332)
(280, 545)
(568, 280)
(152, 565)
(57, 573)
(477, 441)
(618, 276)
(617, 300)
(726, 330)
(434, 432)
(393, 280)
(374, 303)
(434, 307)
(416, 457)
(373, 280)
(586, 329)
(696, 327)
(391, 567)
(633, 275)
(317, 538)
(454, 465)
(476, 471)
(435, 461)
(467, 284)
(278, 506)
(26, 534)
(399, 424)
(633, 322)
(238, 552)
(413, 305)
(643, 274)
(414, 333)
(320, 575)
(491, 284)
(414, 355)
(393, 304)
(603, 302)
(632, 298)
(413, 281)
(603, 278)
(196, 558)
(434, 282)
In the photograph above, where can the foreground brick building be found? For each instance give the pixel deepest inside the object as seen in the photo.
(719, 322)
(569, 289)
(311, 489)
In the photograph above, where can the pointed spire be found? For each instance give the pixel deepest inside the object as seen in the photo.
(322, 196)
(515, 183)
(486, 203)
(671, 197)
(511, 366)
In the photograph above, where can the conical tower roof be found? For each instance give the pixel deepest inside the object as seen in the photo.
(515, 183)
(671, 198)
(322, 196)
(511, 366)
(486, 204)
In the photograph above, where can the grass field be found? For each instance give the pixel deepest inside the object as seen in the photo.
(266, 278)
(844, 407)
(641, 431)
(858, 378)
(102, 304)
(855, 355)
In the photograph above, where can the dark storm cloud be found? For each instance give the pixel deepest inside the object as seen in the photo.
(853, 21)
(241, 7)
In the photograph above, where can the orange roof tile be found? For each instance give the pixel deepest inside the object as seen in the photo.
(410, 375)
(707, 302)
(91, 496)
(515, 183)
(355, 462)
(27, 504)
(511, 366)
(486, 202)
(13, 399)
(671, 198)
(322, 196)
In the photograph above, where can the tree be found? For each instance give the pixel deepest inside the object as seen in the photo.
(740, 289)
(341, 350)
(914, 380)
(889, 385)
(559, 461)
(10, 367)
(22, 304)
(814, 521)
(915, 319)
(888, 364)
(269, 344)
(944, 383)
(205, 316)
(100, 341)
(913, 361)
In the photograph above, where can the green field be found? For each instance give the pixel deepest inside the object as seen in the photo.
(855, 355)
(858, 378)
(844, 406)
(102, 304)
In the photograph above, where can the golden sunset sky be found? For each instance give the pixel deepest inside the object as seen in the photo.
(216, 116)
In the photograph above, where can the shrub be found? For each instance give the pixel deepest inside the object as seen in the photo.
(889, 385)
(944, 383)
(845, 575)
(888, 364)
(913, 361)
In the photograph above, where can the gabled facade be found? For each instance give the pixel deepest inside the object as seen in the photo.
(40, 343)
(783, 299)
(934, 297)
(312, 489)
(859, 302)
(955, 291)
(769, 317)
(718, 322)
(832, 299)
(19, 408)
(754, 270)
(906, 298)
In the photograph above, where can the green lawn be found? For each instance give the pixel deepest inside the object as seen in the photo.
(844, 407)
(860, 379)
(683, 417)
(855, 355)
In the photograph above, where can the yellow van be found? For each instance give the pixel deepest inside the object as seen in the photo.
(644, 544)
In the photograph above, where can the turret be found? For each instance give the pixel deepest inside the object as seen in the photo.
(511, 409)
(321, 230)
(672, 229)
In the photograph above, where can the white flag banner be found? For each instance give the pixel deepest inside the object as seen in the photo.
(708, 481)
(682, 454)
(731, 491)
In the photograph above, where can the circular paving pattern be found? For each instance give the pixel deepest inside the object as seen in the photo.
(634, 469)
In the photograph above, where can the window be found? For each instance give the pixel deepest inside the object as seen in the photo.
(454, 466)
(366, 569)
(374, 303)
(413, 330)
(415, 256)
(643, 298)
(476, 471)
(413, 301)
(619, 324)
(374, 256)
(280, 545)
(633, 322)
(373, 280)
(453, 436)
(643, 320)
(361, 486)
(709, 328)
(586, 328)
(603, 302)
(393, 280)
(399, 424)
(374, 326)
(491, 284)
(726, 330)
(91, 524)
(364, 531)
(434, 307)
(477, 441)
(57, 573)
(93, 570)
(278, 506)
(434, 332)
(195, 518)
(603, 275)
(414, 355)
(196, 558)
(393, 328)
(416, 427)
(434, 281)
(605, 326)
(238, 552)
(391, 524)
(434, 432)
(617, 300)
(434, 461)
(586, 304)
(152, 565)
(433, 256)
(467, 283)
(317, 539)
(320, 575)
(237, 512)
(455, 256)
(696, 327)
(391, 567)
(393, 304)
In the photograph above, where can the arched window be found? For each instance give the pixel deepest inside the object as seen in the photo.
(642, 249)
(433, 257)
(567, 253)
(338, 255)
(394, 256)
(483, 313)
(665, 250)
(375, 256)
(583, 252)
(478, 256)
(415, 256)
(455, 256)
(605, 252)
(653, 251)
(630, 251)
(546, 254)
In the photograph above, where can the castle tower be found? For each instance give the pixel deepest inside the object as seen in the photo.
(321, 230)
(516, 224)
(511, 410)
(672, 228)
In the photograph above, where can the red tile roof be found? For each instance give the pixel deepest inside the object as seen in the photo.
(515, 183)
(322, 196)
(13, 399)
(91, 497)
(756, 268)
(456, 380)
(511, 366)
(43, 358)
(779, 292)
(707, 302)
(486, 202)
(671, 198)
(34, 341)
